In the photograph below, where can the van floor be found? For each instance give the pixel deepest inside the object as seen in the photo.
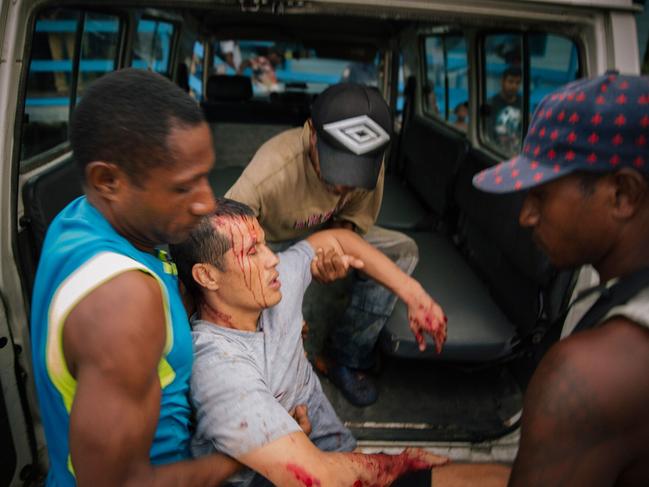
(419, 400)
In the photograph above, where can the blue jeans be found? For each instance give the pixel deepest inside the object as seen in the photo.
(353, 340)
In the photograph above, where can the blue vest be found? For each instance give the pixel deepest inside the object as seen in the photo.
(81, 251)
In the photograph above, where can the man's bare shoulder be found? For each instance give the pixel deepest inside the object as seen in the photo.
(121, 320)
(605, 366)
(584, 417)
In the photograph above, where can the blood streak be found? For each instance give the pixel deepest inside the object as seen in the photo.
(216, 316)
(302, 475)
(242, 259)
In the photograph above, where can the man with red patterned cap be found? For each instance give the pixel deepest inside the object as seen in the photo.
(585, 166)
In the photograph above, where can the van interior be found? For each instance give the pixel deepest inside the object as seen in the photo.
(497, 289)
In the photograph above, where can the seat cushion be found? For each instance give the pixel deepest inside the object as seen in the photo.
(477, 329)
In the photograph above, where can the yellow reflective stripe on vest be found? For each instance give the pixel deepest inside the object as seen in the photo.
(88, 277)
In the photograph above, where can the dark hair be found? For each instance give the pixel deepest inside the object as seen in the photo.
(125, 118)
(513, 71)
(464, 104)
(206, 244)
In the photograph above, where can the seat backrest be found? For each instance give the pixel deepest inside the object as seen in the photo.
(430, 162)
(228, 88)
(44, 196)
(519, 275)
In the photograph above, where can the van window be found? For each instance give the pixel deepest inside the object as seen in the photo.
(447, 88)
(99, 48)
(49, 82)
(196, 67)
(503, 76)
(289, 67)
(551, 62)
(152, 47)
(55, 77)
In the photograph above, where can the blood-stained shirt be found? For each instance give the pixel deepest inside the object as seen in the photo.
(244, 383)
(290, 201)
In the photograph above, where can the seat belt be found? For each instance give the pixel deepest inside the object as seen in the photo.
(619, 293)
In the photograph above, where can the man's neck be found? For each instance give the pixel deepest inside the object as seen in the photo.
(107, 211)
(222, 315)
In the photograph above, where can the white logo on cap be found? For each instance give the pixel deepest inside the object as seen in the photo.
(359, 134)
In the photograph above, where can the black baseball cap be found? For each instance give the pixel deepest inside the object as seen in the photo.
(353, 125)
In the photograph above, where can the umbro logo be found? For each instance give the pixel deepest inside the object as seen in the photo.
(358, 134)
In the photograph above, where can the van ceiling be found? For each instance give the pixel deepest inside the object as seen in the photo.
(308, 29)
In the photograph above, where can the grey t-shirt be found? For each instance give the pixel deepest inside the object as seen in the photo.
(244, 383)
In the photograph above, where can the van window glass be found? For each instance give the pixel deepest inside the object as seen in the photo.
(503, 89)
(293, 69)
(152, 47)
(551, 61)
(99, 48)
(49, 82)
(196, 71)
(447, 86)
(554, 61)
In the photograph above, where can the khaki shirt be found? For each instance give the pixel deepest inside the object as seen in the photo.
(281, 186)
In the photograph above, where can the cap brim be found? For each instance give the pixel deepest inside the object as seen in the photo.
(343, 168)
(518, 174)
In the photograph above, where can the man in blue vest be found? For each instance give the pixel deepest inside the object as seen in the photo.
(112, 348)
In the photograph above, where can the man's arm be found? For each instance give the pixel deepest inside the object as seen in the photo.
(113, 341)
(424, 314)
(584, 418)
(293, 460)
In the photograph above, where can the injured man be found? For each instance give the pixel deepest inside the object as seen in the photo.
(250, 372)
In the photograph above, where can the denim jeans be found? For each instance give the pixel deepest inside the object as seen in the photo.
(353, 339)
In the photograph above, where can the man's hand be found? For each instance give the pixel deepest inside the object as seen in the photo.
(418, 459)
(300, 414)
(328, 266)
(426, 316)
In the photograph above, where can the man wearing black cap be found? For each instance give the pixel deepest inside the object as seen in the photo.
(330, 173)
(586, 166)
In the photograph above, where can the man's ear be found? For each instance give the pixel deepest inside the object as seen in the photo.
(630, 192)
(105, 178)
(207, 276)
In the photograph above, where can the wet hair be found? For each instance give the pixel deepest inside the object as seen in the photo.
(206, 244)
(513, 71)
(125, 118)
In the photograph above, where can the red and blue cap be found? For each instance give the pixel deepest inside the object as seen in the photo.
(599, 124)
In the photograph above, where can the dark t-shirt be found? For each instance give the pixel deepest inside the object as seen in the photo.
(505, 122)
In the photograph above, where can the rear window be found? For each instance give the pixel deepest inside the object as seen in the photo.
(279, 67)
(70, 49)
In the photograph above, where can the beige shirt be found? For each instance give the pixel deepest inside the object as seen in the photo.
(636, 309)
(290, 201)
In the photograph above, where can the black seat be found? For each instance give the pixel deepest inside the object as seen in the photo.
(230, 99)
(44, 196)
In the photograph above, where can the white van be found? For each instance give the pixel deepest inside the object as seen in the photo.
(439, 63)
